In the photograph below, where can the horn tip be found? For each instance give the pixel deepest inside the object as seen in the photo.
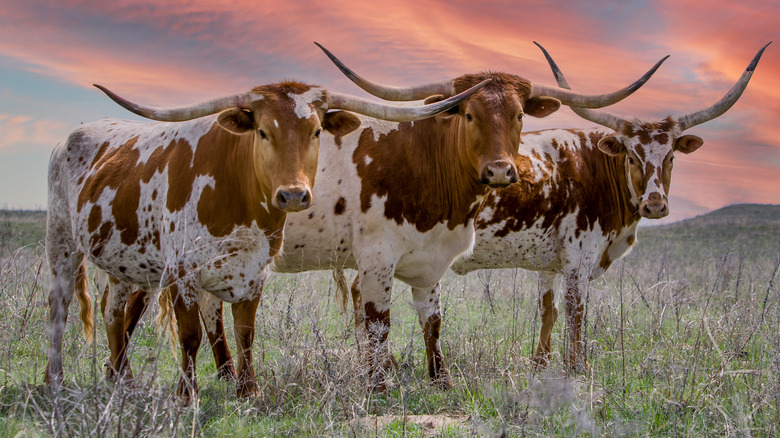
(756, 58)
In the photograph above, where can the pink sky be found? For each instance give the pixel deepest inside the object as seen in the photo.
(179, 52)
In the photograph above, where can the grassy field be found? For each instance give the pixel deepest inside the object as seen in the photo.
(683, 339)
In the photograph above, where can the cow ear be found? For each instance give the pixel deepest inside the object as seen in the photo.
(541, 106)
(340, 123)
(610, 145)
(688, 143)
(237, 120)
(437, 98)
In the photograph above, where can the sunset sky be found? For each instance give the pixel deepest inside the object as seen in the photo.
(176, 52)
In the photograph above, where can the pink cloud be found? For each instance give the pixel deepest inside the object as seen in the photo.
(182, 51)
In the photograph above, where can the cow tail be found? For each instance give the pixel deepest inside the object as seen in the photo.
(86, 311)
(166, 319)
(342, 288)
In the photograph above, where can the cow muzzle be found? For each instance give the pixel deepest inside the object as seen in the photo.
(499, 174)
(292, 198)
(655, 207)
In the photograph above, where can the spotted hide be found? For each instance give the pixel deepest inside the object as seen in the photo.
(398, 200)
(581, 212)
(197, 205)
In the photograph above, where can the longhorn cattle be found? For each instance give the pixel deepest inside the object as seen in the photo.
(399, 199)
(197, 205)
(581, 212)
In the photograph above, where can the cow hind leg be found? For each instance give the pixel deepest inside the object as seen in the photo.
(211, 314)
(190, 336)
(134, 310)
(115, 297)
(244, 324)
(427, 303)
(576, 288)
(548, 313)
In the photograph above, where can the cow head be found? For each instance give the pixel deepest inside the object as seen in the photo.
(648, 152)
(490, 122)
(285, 121)
(648, 148)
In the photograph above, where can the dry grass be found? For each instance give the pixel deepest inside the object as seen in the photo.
(682, 340)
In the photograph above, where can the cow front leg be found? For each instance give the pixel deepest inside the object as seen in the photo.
(244, 323)
(548, 313)
(211, 314)
(375, 287)
(576, 290)
(361, 335)
(115, 297)
(64, 265)
(427, 303)
(185, 307)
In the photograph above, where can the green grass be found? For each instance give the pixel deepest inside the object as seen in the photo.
(682, 340)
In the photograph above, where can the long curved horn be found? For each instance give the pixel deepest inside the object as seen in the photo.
(593, 101)
(601, 117)
(690, 120)
(241, 100)
(386, 92)
(397, 113)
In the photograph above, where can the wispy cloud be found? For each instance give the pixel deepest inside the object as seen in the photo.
(182, 51)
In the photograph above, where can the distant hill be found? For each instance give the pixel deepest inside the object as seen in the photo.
(752, 230)
(735, 215)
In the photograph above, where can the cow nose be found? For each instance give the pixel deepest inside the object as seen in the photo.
(292, 198)
(654, 209)
(499, 174)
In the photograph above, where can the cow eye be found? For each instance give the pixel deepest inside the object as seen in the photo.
(520, 117)
(317, 132)
(469, 117)
(671, 159)
(262, 134)
(630, 160)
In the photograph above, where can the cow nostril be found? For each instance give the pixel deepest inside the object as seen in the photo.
(281, 198)
(306, 198)
(489, 173)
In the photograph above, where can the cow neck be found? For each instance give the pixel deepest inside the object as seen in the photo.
(239, 195)
(421, 172)
(610, 175)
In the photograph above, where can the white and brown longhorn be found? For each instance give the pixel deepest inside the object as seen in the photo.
(581, 213)
(197, 205)
(398, 200)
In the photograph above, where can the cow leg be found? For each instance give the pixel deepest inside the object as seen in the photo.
(548, 313)
(211, 314)
(135, 309)
(244, 324)
(190, 336)
(375, 285)
(115, 296)
(427, 303)
(64, 263)
(360, 328)
(576, 287)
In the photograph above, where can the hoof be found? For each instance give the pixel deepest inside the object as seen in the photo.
(248, 390)
(187, 393)
(541, 360)
(227, 373)
(443, 383)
